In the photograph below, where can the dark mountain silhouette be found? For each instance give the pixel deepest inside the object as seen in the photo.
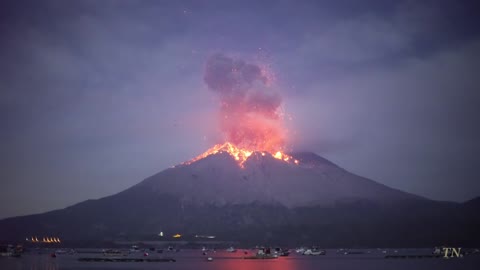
(269, 201)
(473, 203)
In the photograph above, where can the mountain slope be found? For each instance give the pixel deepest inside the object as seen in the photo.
(217, 179)
(267, 201)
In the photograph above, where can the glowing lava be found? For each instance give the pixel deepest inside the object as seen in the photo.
(240, 154)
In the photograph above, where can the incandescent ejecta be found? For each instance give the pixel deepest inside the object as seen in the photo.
(250, 111)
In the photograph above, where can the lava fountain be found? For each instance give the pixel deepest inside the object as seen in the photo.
(240, 154)
(250, 116)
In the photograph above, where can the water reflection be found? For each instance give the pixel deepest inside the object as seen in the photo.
(29, 262)
(238, 263)
(47, 265)
(223, 260)
(41, 262)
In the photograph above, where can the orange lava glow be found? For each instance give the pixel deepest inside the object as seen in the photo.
(241, 154)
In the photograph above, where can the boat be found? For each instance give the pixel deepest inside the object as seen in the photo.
(134, 249)
(300, 250)
(262, 253)
(314, 252)
(281, 252)
(231, 249)
(60, 251)
(206, 250)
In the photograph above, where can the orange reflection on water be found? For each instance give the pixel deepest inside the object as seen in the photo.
(238, 263)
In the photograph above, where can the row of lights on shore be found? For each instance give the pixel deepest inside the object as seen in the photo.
(48, 240)
(177, 235)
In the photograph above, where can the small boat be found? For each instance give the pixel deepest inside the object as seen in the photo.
(231, 249)
(300, 250)
(262, 253)
(281, 252)
(134, 249)
(60, 251)
(209, 259)
(314, 252)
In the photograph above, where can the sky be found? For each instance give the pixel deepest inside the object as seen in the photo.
(97, 95)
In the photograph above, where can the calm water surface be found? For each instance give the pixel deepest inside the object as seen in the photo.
(193, 259)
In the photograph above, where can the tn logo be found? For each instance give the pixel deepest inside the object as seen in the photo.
(451, 252)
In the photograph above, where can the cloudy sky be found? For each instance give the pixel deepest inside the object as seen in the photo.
(97, 95)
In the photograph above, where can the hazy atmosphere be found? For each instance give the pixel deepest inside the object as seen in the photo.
(95, 96)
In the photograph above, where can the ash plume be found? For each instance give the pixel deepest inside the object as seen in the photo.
(249, 110)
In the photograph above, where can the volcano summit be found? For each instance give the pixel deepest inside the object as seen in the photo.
(228, 175)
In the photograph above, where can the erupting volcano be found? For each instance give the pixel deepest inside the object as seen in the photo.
(250, 115)
(247, 189)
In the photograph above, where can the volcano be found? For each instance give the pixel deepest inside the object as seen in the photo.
(218, 179)
(265, 199)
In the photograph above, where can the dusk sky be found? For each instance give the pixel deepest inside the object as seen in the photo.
(95, 96)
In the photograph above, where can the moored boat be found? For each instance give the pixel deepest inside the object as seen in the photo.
(231, 249)
(314, 252)
(263, 253)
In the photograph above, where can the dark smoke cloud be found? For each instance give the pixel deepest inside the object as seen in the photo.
(230, 77)
(249, 111)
